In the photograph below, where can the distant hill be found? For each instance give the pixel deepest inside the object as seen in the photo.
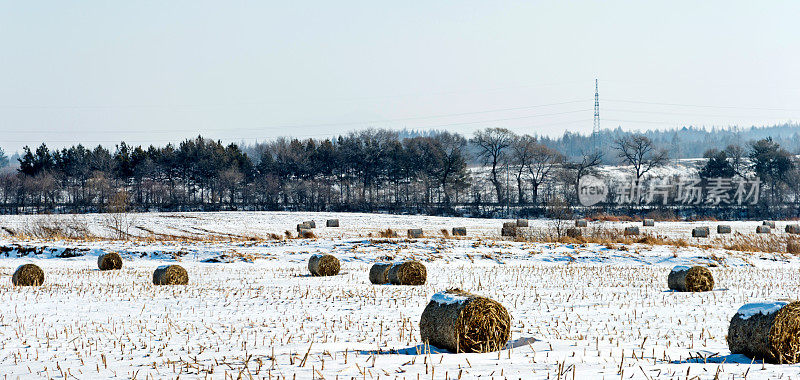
(685, 142)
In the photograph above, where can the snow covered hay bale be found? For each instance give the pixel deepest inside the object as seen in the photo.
(310, 224)
(459, 231)
(724, 229)
(332, 223)
(109, 261)
(694, 279)
(581, 223)
(170, 275)
(769, 224)
(379, 273)
(323, 265)
(648, 223)
(415, 233)
(700, 232)
(767, 331)
(303, 226)
(522, 222)
(793, 228)
(410, 272)
(631, 230)
(763, 229)
(28, 275)
(463, 322)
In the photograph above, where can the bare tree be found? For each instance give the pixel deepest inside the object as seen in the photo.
(639, 152)
(587, 163)
(492, 144)
(541, 163)
(522, 151)
(736, 155)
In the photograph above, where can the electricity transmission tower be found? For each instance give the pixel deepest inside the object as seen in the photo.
(596, 128)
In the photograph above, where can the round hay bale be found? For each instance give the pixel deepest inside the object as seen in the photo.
(648, 223)
(415, 233)
(724, 229)
(763, 229)
(170, 275)
(463, 322)
(793, 228)
(767, 331)
(581, 223)
(306, 234)
(769, 224)
(574, 232)
(700, 232)
(509, 229)
(303, 226)
(323, 265)
(109, 261)
(332, 223)
(694, 279)
(28, 275)
(379, 273)
(631, 230)
(459, 231)
(522, 222)
(407, 273)
(310, 224)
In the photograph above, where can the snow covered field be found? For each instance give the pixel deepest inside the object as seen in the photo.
(252, 310)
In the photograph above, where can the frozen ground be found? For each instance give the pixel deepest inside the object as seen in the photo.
(251, 310)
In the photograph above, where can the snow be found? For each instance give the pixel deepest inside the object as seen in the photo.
(251, 309)
(766, 308)
(445, 298)
(680, 268)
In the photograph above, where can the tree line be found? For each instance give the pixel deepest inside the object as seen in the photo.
(490, 173)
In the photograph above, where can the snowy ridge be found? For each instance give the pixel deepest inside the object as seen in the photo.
(766, 308)
(445, 298)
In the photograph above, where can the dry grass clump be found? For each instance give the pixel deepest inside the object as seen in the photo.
(772, 337)
(323, 265)
(445, 232)
(47, 227)
(694, 279)
(574, 233)
(28, 275)
(793, 246)
(109, 261)
(387, 233)
(170, 275)
(407, 273)
(379, 273)
(463, 322)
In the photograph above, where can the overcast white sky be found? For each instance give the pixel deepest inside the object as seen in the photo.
(153, 71)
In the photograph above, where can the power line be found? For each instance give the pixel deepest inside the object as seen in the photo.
(701, 106)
